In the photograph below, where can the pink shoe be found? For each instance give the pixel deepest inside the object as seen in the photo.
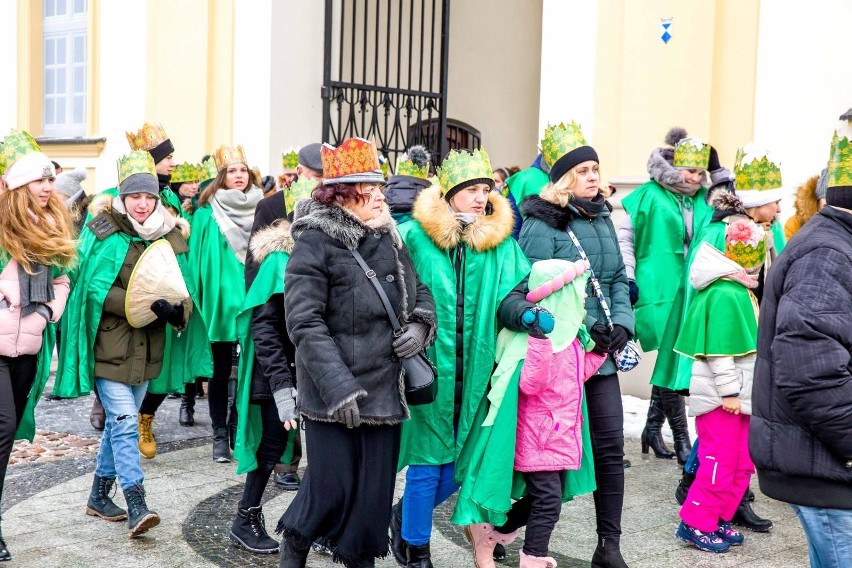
(483, 539)
(506, 539)
(537, 561)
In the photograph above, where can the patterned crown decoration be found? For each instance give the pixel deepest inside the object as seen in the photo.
(207, 170)
(15, 145)
(300, 189)
(459, 167)
(559, 140)
(354, 156)
(147, 138)
(136, 162)
(414, 163)
(840, 161)
(385, 165)
(745, 243)
(691, 153)
(226, 155)
(185, 172)
(755, 170)
(290, 161)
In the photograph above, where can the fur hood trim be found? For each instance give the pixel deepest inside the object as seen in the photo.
(807, 204)
(338, 223)
(272, 238)
(446, 231)
(102, 203)
(725, 201)
(660, 167)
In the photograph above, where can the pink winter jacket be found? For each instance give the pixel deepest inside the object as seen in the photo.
(550, 416)
(23, 336)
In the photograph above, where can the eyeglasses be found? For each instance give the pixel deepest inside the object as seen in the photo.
(373, 189)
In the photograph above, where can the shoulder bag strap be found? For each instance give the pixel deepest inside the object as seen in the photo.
(371, 276)
(596, 285)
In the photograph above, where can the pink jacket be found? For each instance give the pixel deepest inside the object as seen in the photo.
(550, 416)
(23, 336)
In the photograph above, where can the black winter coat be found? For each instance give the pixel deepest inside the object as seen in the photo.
(336, 320)
(800, 437)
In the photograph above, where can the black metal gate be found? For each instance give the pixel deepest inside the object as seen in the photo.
(385, 75)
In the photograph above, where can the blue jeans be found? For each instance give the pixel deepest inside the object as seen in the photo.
(829, 534)
(426, 487)
(118, 455)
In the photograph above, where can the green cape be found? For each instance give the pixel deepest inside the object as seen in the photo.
(525, 183)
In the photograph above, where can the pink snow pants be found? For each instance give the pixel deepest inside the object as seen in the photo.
(724, 473)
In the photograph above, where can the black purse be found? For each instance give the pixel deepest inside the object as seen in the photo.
(421, 386)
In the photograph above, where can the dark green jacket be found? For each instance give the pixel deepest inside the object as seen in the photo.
(544, 236)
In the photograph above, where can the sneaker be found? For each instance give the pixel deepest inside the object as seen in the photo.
(729, 534)
(708, 542)
(288, 480)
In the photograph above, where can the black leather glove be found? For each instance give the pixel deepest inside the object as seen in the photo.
(348, 414)
(618, 338)
(600, 335)
(412, 340)
(633, 290)
(713, 164)
(171, 314)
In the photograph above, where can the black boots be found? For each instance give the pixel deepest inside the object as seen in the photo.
(419, 556)
(100, 503)
(683, 487)
(652, 436)
(139, 517)
(674, 408)
(607, 554)
(398, 546)
(249, 531)
(293, 556)
(746, 517)
(187, 410)
(4, 552)
(221, 450)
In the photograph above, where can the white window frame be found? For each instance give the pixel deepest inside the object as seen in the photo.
(65, 25)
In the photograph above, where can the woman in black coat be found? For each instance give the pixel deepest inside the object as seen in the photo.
(348, 369)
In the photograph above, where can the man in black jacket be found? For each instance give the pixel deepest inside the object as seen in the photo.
(801, 428)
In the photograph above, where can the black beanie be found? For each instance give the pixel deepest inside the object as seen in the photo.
(164, 149)
(840, 196)
(576, 156)
(467, 183)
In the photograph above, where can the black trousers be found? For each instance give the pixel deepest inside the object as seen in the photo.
(538, 510)
(17, 375)
(273, 442)
(152, 402)
(606, 426)
(217, 387)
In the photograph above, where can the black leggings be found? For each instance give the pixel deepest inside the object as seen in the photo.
(273, 442)
(606, 426)
(538, 510)
(151, 403)
(217, 387)
(17, 375)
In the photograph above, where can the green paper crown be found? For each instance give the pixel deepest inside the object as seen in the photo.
(459, 167)
(298, 190)
(136, 162)
(760, 173)
(289, 160)
(185, 172)
(559, 140)
(406, 167)
(16, 144)
(840, 162)
(207, 170)
(691, 153)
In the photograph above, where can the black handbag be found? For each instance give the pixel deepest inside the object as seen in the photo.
(421, 385)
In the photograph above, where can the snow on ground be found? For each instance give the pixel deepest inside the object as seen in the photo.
(635, 413)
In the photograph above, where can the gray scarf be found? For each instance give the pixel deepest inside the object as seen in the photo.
(36, 289)
(233, 211)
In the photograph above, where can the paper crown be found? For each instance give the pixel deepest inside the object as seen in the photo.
(691, 153)
(559, 140)
(745, 243)
(15, 145)
(459, 167)
(298, 190)
(147, 138)
(414, 163)
(227, 155)
(185, 172)
(355, 160)
(289, 161)
(840, 161)
(754, 170)
(384, 164)
(136, 162)
(207, 170)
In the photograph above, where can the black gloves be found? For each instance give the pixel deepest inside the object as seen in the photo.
(412, 340)
(633, 290)
(600, 335)
(618, 338)
(172, 314)
(713, 164)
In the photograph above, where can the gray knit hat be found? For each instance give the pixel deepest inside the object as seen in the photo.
(69, 185)
(139, 183)
(822, 184)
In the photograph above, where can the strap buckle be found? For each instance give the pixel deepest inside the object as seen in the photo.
(371, 273)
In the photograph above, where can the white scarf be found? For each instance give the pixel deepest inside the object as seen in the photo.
(158, 223)
(233, 211)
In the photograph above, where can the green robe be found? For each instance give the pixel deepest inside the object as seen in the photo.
(661, 269)
(268, 282)
(187, 354)
(525, 183)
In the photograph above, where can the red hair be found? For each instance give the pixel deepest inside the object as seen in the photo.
(339, 193)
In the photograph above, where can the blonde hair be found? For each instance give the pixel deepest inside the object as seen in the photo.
(560, 192)
(32, 234)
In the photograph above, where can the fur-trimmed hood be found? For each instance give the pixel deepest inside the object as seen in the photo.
(272, 238)
(102, 203)
(807, 204)
(660, 167)
(725, 203)
(552, 214)
(336, 222)
(446, 231)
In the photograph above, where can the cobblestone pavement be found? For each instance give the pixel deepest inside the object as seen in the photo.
(45, 525)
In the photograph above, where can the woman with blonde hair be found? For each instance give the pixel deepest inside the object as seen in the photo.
(36, 250)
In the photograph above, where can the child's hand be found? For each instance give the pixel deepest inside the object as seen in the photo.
(731, 404)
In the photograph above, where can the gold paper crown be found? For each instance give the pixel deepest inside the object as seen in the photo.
(289, 161)
(16, 144)
(559, 140)
(298, 190)
(759, 173)
(459, 167)
(147, 138)
(136, 162)
(840, 162)
(227, 155)
(354, 160)
(691, 153)
(405, 166)
(207, 170)
(185, 172)
(745, 243)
